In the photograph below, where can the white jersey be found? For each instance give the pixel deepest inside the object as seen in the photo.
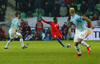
(14, 22)
(81, 29)
(79, 23)
(11, 30)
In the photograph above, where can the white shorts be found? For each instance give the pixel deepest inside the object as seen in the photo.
(80, 35)
(12, 35)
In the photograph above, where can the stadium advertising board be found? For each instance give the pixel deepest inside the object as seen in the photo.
(95, 34)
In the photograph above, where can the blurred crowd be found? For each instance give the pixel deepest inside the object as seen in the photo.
(40, 33)
(57, 8)
(3, 5)
(49, 8)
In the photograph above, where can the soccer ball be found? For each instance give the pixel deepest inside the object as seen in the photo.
(68, 45)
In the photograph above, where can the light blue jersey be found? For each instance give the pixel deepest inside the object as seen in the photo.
(14, 22)
(78, 22)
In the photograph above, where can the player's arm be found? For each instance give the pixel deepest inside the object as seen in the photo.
(88, 20)
(19, 30)
(59, 31)
(14, 29)
(44, 20)
(69, 24)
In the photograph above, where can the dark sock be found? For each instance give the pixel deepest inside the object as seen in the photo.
(60, 42)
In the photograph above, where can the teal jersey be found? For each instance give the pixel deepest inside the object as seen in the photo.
(78, 22)
(14, 22)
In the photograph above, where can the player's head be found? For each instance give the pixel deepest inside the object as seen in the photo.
(22, 21)
(83, 2)
(55, 19)
(17, 15)
(65, 23)
(63, 0)
(39, 20)
(72, 11)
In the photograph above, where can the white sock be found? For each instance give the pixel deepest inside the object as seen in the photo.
(7, 44)
(21, 41)
(78, 49)
(84, 44)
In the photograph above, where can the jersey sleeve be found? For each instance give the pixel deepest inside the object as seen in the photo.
(46, 21)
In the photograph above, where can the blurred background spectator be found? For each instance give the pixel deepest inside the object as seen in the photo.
(52, 8)
(95, 17)
(2, 34)
(63, 10)
(46, 8)
(83, 7)
(62, 2)
(29, 10)
(74, 6)
(68, 1)
(35, 36)
(22, 24)
(64, 30)
(55, 9)
(49, 8)
(39, 29)
(18, 5)
(48, 35)
(96, 11)
(91, 5)
(26, 31)
(55, 12)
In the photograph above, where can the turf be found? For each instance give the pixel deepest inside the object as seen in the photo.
(48, 52)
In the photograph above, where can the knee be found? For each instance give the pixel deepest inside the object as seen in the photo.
(11, 40)
(76, 44)
(79, 41)
(21, 36)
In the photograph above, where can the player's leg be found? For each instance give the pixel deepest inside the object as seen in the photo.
(56, 37)
(11, 35)
(77, 47)
(87, 46)
(59, 36)
(84, 44)
(6, 47)
(80, 40)
(21, 39)
(60, 41)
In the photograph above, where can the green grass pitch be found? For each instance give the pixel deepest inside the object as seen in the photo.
(48, 52)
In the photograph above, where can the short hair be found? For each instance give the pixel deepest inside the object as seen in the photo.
(72, 10)
(54, 18)
(16, 14)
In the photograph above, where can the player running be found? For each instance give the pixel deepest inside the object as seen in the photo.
(80, 31)
(12, 32)
(56, 33)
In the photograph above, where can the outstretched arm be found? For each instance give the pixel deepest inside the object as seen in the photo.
(69, 24)
(44, 20)
(88, 20)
